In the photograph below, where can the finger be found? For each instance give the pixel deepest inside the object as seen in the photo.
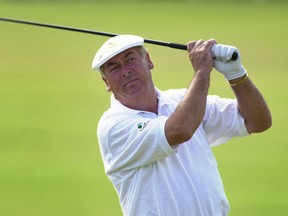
(224, 53)
(217, 51)
(199, 42)
(190, 45)
(211, 42)
(213, 51)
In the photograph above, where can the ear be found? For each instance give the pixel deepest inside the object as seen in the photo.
(108, 88)
(150, 63)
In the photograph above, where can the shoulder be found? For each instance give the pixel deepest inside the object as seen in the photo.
(112, 118)
(114, 127)
(217, 106)
(215, 100)
(173, 94)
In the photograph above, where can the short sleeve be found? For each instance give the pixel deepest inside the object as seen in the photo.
(222, 120)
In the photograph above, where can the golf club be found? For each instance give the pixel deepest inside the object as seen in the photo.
(149, 41)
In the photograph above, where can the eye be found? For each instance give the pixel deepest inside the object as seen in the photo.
(112, 69)
(131, 59)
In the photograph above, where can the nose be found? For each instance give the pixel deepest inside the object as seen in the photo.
(126, 71)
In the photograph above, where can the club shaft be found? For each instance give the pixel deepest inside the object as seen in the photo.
(161, 43)
(149, 41)
(58, 27)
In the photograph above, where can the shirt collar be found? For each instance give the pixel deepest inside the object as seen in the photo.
(115, 104)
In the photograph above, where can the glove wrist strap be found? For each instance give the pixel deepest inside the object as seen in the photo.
(239, 82)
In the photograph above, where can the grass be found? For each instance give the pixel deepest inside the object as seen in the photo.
(51, 100)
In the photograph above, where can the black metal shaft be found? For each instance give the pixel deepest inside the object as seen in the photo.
(155, 42)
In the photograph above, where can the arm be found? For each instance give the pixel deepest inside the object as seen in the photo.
(182, 124)
(252, 105)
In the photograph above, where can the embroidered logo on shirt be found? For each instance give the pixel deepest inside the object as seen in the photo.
(142, 125)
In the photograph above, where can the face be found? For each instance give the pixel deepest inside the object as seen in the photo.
(128, 74)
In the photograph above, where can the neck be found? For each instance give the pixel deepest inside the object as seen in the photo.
(146, 102)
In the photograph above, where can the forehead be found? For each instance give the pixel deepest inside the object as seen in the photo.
(122, 55)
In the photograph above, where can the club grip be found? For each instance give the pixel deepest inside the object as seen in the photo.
(234, 56)
(178, 46)
(184, 47)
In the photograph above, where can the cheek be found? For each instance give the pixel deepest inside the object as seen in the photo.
(113, 81)
(140, 66)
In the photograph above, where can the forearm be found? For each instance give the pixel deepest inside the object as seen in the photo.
(252, 106)
(251, 103)
(185, 120)
(188, 115)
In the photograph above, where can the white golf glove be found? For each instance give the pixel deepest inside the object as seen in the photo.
(222, 55)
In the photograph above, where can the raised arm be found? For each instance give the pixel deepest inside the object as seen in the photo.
(182, 124)
(251, 103)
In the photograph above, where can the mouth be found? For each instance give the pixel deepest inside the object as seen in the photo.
(130, 81)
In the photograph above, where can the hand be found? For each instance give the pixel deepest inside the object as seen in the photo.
(200, 55)
(229, 68)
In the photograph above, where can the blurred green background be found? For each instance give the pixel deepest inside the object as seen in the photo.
(51, 100)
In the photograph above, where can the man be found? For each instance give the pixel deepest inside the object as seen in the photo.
(156, 145)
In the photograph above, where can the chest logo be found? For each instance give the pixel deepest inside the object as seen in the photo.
(142, 125)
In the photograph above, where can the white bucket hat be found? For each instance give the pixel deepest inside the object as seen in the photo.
(114, 46)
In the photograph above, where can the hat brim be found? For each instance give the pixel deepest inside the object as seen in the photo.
(113, 47)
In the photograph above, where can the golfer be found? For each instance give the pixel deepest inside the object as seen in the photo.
(156, 145)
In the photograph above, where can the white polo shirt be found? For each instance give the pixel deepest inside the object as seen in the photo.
(154, 179)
